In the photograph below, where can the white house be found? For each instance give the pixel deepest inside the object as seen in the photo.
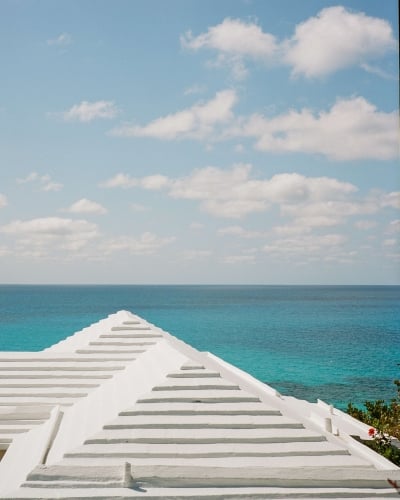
(123, 409)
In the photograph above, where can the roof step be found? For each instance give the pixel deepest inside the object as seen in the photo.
(202, 399)
(191, 408)
(196, 440)
(194, 374)
(190, 365)
(109, 351)
(129, 327)
(51, 376)
(199, 396)
(131, 336)
(196, 387)
(203, 426)
(64, 368)
(121, 343)
(44, 385)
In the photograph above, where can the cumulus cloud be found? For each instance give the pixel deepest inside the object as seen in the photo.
(335, 39)
(390, 242)
(234, 40)
(327, 213)
(61, 41)
(195, 89)
(65, 239)
(85, 206)
(150, 182)
(391, 199)
(3, 200)
(196, 226)
(240, 232)
(233, 193)
(375, 70)
(137, 207)
(89, 111)
(196, 122)
(146, 244)
(196, 254)
(365, 225)
(4, 251)
(44, 182)
(352, 129)
(323, 246)
(238, 259)
(394, 226)
(51, 233)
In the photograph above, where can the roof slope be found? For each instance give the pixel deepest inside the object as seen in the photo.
(123, 409)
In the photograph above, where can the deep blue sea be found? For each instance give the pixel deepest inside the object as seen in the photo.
(336, 343)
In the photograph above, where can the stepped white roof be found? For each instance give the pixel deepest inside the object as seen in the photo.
(123, 409)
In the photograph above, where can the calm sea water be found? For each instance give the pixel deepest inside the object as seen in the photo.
(335, 343)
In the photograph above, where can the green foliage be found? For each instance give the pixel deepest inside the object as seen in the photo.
(384, 419)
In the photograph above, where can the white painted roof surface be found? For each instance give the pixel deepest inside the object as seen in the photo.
(123, 409)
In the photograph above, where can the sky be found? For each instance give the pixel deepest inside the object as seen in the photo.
(204, 142)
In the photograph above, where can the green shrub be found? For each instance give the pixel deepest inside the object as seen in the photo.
(384, 419)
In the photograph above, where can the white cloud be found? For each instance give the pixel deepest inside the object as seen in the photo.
(352, 129)
(327, 213)
(196, 226)
(391, 200)
(85, 206)
(232, 193)
(62, 40)
(51, 233)
(335, 39)
(147, 244)
(52, 186)
(195, 89)
(89, 111)
(150, 182)
(391, 242)
(196, 122)
(3, 200)
(233, 36)
(240, 232)
(4, 251)
(44, 182)
(234, 40)
(322, 246)
(154, 182)
(365, 224)
(394, 226)
(238, 259)
(120, 180)
(137, 207)
(33, 176)
(196, 254)
(309, 215)
(375, 70)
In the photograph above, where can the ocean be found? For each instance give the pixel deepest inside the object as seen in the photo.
(335, 343)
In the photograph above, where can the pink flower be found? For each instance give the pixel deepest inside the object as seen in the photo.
(371, 432)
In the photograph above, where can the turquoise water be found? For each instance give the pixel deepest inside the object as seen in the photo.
(335, 343)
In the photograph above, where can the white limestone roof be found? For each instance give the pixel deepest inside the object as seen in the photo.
(123, 409)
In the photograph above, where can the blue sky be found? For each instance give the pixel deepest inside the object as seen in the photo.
(185, 141)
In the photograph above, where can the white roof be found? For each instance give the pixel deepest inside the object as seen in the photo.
(123, 409)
